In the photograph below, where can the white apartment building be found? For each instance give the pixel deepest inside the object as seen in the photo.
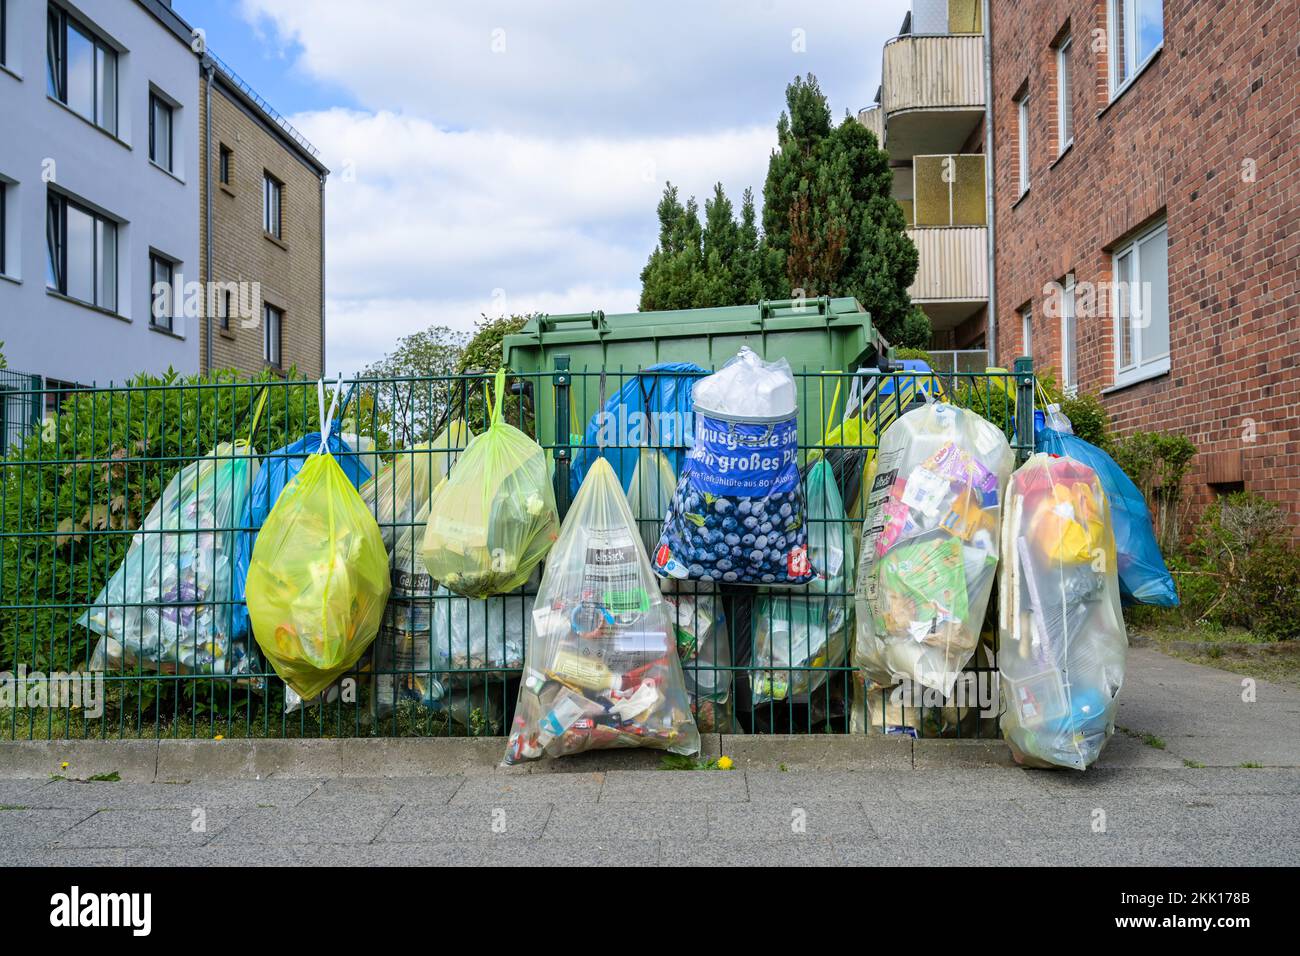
(99, 188)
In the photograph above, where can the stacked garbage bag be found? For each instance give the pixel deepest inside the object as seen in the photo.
(737, 515)
(1143, 577)
(799, 635)
(1063, 641)
(703, 642)
(494, 518)
(602, 667)
(318, 579)
(930, 545)
(168, 607)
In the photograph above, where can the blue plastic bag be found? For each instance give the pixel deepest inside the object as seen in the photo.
(1143, 577)
(648, 410)
(278, 469)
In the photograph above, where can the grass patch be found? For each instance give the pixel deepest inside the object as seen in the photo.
(684, 762)
(1251, 765)
(1151, 740)
(1193, 764)
(1215, 641)
(111, 777)
(12, 806)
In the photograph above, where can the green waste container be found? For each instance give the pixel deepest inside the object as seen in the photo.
(813, 335)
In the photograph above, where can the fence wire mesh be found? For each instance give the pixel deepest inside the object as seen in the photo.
(149, 470)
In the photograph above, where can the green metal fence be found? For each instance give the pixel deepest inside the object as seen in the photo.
(75, 493)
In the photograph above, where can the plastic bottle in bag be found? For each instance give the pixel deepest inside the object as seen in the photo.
(929, 545)
(318, 579)
(1062, 639)
(494, 518)
(601, 668)
(737, 515)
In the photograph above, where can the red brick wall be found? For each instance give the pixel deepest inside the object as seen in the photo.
(1223, 92)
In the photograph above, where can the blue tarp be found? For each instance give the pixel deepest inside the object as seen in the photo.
(649, 410)
(278, 469)
(1143, 577)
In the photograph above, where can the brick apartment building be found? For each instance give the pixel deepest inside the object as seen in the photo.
(262, 245)
(1147, 163)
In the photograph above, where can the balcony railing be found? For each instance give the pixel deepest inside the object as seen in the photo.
(933, 72)
(953, 264)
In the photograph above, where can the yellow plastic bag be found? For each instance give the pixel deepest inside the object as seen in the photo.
(318, 579)
(494, 518)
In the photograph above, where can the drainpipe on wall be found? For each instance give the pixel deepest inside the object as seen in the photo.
(207, 211)
(322, 275)
(991, 322)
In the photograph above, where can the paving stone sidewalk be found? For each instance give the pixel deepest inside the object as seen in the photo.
(841, 800)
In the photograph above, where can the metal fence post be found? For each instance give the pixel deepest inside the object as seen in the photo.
(1024, 372)
(561, 381)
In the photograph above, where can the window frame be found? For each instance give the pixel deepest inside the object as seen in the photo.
(272, 357)
(58, 22)
(4, 33)
(155, 102)
(1027, 330)
(1022, 142)
(1069, 338)
(1142, 367)
(56, 250)
(156, 259)
(1064, 89)
(4, 223)
(272, 225)
(1129, 44)
(225, 163)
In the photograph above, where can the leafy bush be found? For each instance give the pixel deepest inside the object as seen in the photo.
(72, 494)
(1241, 568)
(1158, 462)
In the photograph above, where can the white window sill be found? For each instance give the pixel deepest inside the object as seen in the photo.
(1123, 88)
(87, 305)
(16, 280)
(163, 330)
(11, 71)
(89, 122)
(1062, 154)
(165, 171)
(1153, 369)
(1021, 198)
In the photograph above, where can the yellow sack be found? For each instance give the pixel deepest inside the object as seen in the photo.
(493, 519)
(318, 579)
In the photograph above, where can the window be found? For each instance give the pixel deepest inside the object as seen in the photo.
(224, 163)
(1137, 29)
(272, 204)
(1022, 110)
(1069, 340)
(1065, 118)
(1141, 306)
(4, 32)
(82, 70)
(81, 250)
(273, 322)
(1027, 330)
(162, 276)
(224, 309)
(4, 224)
(160, 131)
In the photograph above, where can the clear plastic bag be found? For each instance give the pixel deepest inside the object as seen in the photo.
(809, 629)
(318, 579)
(168, 607)
(494, 518)
(1063, 641)
(737, 515)
(929, 545)
(601, 668)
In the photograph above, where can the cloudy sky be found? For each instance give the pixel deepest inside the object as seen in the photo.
(502, 157)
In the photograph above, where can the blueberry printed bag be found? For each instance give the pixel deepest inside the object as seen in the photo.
(737, 515)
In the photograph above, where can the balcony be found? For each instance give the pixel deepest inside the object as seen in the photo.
(952, 277)
(874, 119)
(932, 93)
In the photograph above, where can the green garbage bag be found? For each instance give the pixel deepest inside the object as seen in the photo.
(494, 518)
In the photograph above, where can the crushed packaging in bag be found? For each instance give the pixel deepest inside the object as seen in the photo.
(602, 667)
(494, 518)
(929, 545)
(737, 515)
(1062, 638)
(318, 580)
(799, 635)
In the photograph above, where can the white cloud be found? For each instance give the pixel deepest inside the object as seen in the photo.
(536, 170)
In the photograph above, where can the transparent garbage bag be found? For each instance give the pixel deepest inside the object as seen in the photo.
(167, 608)
(808, 629)
(1062, 636)
(494, 518)
(601, 668)
(737, 515)
(929, 545)
(318, 580)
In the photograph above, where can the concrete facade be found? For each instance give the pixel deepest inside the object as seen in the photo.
(1202, 141)
(47, 147)
(285, 272)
